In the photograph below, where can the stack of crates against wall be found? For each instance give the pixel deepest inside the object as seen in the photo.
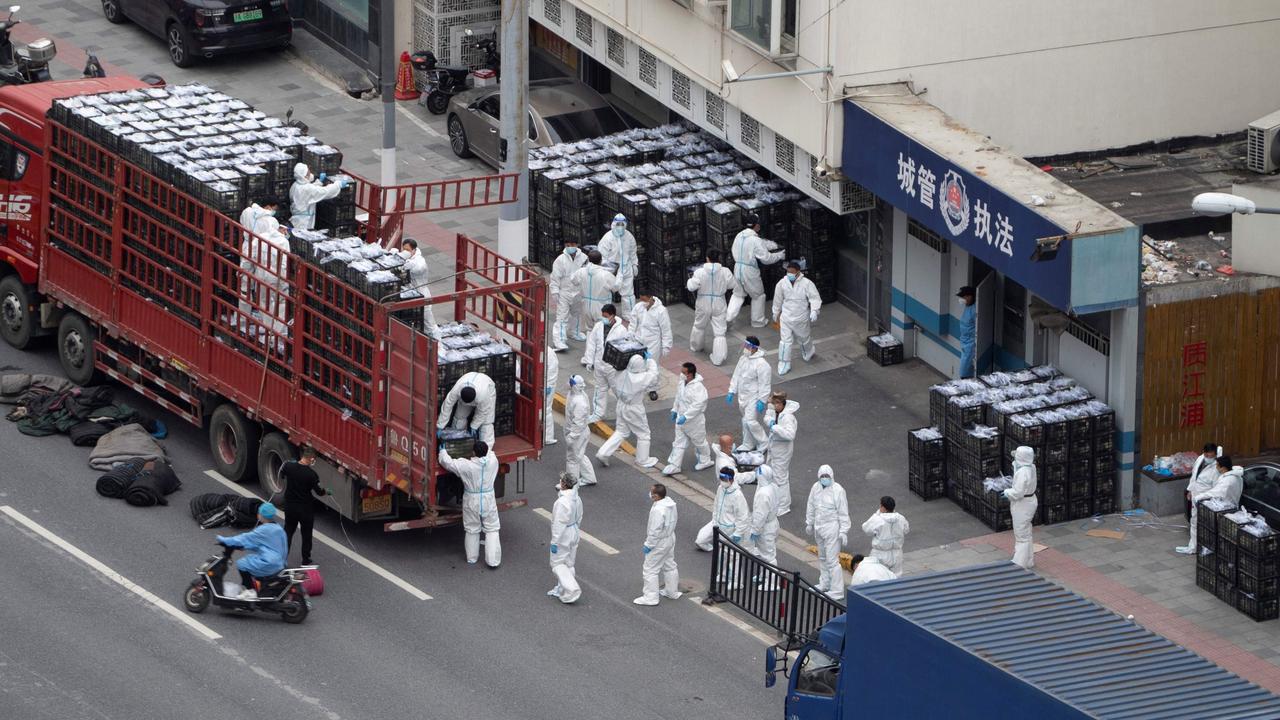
(992, 507)
(579, 215)
(939, 395)
(667, 267)
(1103, 420)
(1247, 552)
(927, 462)
(813, 230)
(973, 455)
(724, 222)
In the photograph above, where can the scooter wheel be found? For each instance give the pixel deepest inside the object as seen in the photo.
(437, 103)
(295, 607)
(196, 599)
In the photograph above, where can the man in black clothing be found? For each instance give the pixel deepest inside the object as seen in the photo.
(301, 483)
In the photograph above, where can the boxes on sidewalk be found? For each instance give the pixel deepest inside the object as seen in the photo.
(885, 349)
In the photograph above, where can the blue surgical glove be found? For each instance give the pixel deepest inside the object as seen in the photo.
(772, 423)
(439, 432)
(440, 449)
(736, 538)
(647, 549)
(554, 548)
(549, 391)
(344, 183)
(646, 354)
(673, 416)
(755, 537)
(728, 399)
(324, 176)
(682, 420)
(759, 406)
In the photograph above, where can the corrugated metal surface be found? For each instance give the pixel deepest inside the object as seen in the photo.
(1071, 647)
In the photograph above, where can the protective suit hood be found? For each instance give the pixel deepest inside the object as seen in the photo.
(827, 471)
(766, 474)
(1024, 455)
(790, 409)
(891, 517)
(300, 172)
(577, 385)
(635, 364)
(666, 503)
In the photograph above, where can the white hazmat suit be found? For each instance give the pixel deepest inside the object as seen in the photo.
(630, 387)
(730, 513)
(479, 505)
(596, 286)
(710, 282)
(1204, 473)
(1022, 505)
(751, 385)
(602, 373)
(477, 415)
(651, 325)
(416, 267)
(568, 298)
(870, 570)
(619, 248)
(272, 273)
(750, 251)
(1227, 486)
(764, 517)
(566, 515)
(827, 520)
(689, 411)
(577, 432)
(795, 308)
(888, 531)
(660, 554)
(548, 396)
(248, 251)
(782, 435)
(306, 193)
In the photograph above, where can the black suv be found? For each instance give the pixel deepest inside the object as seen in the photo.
(195, 28)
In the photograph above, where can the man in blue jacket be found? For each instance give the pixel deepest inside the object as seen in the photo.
(968, 332)
(267, 546)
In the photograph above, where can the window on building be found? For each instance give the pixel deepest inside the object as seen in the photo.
(768, 24)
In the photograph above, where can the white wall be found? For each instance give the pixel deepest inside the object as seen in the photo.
(1255, 239)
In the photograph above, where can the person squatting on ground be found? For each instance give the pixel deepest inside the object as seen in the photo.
(869, 569)
(479, 504)
(660, 549)
(730, 513)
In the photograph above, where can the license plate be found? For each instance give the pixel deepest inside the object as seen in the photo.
(247, 15)
(375, 505)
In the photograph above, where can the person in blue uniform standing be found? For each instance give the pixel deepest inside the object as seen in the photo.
(968, 332)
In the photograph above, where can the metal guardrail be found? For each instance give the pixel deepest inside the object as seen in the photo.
(779, 598)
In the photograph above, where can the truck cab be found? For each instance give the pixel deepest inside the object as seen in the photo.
(813, 675)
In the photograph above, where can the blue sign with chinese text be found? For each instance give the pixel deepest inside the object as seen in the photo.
(995, 228)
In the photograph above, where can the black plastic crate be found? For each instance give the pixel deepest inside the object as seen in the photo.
(1257, 608)
(1228, 528)
(1105, 424)
(1208, 519)
(578, 193)
(1079, 487)
(1054, 493)
(983, 447)
(1080, 468)
(1054, 473)
(1056, 432)
(963, 412)
(1206, 579)
(1029, 435)
(1267, 547)
(619, 358)
(1104, 463)
(1227, 553)
(1054, 513)
(1264, 566)
(1054, 452)
(1104, 444)
(1225, 590)
(1104, 484)
(1262, 588)
(1080, 448)
(588, 215)
(984, 467)
(1104, 504)
(884, 355)
(1079, 508)
(926, 449)
(1080, 428)
(926, 489)
(1206, 558)
(1225, 567)
(935, 469)
(809, 214)
(662, 217)
(995, 517)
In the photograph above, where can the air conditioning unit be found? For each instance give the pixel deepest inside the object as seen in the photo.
(1262, 153)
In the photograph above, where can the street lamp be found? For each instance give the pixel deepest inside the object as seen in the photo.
(1214, 204)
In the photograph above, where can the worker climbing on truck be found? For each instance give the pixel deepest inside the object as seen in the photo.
(470, 406)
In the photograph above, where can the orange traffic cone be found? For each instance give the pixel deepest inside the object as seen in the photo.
(405, 89)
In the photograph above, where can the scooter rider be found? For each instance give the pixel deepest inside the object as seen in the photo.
(268, 546)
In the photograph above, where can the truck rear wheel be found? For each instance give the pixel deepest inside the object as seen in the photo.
(273, 453)
(75, 348)
(233, 442)
(16, 319)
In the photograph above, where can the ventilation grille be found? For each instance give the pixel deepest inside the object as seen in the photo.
(855, 198)
(551, 9)
(819, 183)
(617, 48)
(582, 25)
(784, 154)
(680, 88)
(648, 68)
(750, 131)
(1089, 336)
(928, 237)
(715, 110)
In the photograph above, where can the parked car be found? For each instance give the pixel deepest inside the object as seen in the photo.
(1262, 491)
(204, 28)
(560, 110)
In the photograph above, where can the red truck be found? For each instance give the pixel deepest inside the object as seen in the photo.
(143, 283)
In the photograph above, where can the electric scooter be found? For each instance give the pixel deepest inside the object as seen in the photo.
(23, 64)
(282, 594)
(445, 82)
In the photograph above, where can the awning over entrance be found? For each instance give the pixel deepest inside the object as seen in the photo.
(1061, 245)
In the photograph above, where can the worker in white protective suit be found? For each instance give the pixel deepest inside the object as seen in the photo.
(651, 325)
(566, 516)
(730, 513)
(688, 412)
(710, 282)
(750, 386)
(595, 286)
(869, 569)
(567, 298)
(1204, 473)
(415, 264)
(307, 192)
(548, 397)
(479, 503)
(826, 520)
(618, 246)
(254, 220)
(764, 520)
(470, 405)
(722, 456)
(750, 251)
(607, 328)
(1228, 485)
(577, 432)
(1023, 504)
(796, 303)
(780, 420)
(660, 549)
(629, 386)
(888, 531)
(272, 273)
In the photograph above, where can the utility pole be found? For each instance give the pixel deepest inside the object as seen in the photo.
(387, 85)
(513, 218)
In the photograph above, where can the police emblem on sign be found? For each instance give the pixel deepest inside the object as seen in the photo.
(955, 202)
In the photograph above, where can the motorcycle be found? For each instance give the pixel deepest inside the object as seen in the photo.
(444, 82)
(23, 64)
(282, 594)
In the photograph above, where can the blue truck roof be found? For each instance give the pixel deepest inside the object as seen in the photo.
(1054, 640)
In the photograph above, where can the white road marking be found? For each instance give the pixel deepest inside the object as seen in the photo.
(110, 574)
(343, 549)
(736, 622)
(599, 544)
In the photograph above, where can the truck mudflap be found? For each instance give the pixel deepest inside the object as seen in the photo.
(435, 519)
(778, 598)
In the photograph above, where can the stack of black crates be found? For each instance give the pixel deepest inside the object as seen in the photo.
(927, 463)
(500, 366)
(1238, 567)
(812, 240)
(1075, 457)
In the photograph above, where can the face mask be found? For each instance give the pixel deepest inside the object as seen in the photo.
(619, 231)
(792, 278)
(746, 352)
(826, 481)
(728, 486)
(649, 497)
(272, 213)
(606, 321)
(571, 251)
